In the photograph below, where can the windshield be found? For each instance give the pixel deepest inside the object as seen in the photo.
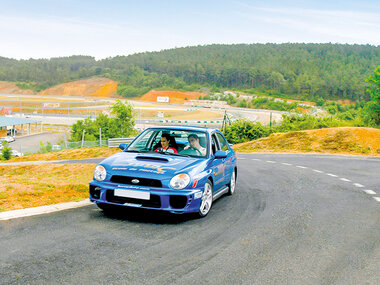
(173, 142)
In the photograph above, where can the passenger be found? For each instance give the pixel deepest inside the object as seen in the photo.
(165, 144)
(194, 143)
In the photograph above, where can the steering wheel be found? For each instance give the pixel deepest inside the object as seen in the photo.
(197, 150)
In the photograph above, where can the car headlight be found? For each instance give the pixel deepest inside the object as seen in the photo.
(100, 173)
(180, 181)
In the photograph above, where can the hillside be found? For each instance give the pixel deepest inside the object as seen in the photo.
(11, 88)
(303, 71)
(345, 140)
(176, 97)
(96, 87)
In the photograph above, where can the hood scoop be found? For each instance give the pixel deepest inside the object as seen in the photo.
(152, 158)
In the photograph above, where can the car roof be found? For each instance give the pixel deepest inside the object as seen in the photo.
(185, 128)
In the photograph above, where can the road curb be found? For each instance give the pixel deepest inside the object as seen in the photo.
(42, 210)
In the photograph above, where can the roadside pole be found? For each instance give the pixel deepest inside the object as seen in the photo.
(83, 137)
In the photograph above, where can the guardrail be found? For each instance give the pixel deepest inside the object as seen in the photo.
(116, 141)
(190, 122)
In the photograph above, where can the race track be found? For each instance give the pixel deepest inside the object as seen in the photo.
(294, 219)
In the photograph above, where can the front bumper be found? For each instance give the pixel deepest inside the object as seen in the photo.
(174, 201)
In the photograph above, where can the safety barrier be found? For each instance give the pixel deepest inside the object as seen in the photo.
(190, 122)
(116, 141)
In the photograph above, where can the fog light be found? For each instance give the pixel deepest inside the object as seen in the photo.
(95, 192)
(197, 195)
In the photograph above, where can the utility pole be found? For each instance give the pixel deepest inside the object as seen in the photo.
(83, 137)
(100, 136)
(270, 122)
(226, 120)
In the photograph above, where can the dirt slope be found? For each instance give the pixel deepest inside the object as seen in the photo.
(97, 87)
(176, 97)
(11, 88)
(365, 141)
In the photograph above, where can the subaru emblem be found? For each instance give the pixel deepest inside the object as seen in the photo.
(135, 181)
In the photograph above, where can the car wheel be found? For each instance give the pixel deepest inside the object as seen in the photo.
(232, 183)
(206, 203)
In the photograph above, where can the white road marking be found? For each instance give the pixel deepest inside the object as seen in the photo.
(241, 157)
(345, 179)
(42, 210)
(370, 192)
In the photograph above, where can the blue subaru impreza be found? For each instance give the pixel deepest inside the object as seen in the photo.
(176, 169)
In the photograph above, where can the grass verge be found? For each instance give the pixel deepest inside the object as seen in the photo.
(346, 140)
(81, 153)
(28, 186)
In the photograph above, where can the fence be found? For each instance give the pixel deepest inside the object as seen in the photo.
(110, 143)
(115, 142)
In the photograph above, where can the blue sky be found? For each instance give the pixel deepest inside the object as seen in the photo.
(45, 29)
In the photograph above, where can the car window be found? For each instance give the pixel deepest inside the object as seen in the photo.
(142, 142)
(222, 142)
(214, 144)
(150, 140)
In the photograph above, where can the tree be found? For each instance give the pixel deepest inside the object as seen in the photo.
(372, 108)
(6, 152)
(121, 125)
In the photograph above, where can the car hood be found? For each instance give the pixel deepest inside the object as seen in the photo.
(150, 165)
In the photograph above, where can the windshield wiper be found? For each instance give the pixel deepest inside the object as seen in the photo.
(135, 150)
(172, 153)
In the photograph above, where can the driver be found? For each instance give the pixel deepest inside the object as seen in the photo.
(165, 141)
(194, 143)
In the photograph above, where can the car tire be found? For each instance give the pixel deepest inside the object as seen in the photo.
(232, 184)
(206, 202)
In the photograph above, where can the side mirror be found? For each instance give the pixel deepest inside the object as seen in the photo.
(220, 154)
(230, 144)
(123, 146)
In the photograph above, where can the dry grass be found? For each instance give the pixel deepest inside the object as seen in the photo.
(358, 141)
(32, 185)
(86, 152)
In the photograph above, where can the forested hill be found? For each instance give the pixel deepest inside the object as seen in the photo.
(306, 71)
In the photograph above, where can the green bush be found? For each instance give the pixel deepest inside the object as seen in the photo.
(244, 130)
(45, 148)
(6, 151)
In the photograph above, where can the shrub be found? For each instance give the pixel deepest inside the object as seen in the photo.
(6, 151)
(244, 130)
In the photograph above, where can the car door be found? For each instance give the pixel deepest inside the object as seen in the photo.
(223, 144)
(218, 167)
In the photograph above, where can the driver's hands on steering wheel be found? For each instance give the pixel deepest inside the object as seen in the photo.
(197, 150)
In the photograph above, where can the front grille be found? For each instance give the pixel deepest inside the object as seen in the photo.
(142, 181)
(154, 202)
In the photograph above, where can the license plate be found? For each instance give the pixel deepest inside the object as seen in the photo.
(132, 194)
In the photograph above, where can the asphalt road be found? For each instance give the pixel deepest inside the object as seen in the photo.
(32, 143)
(294, 219)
